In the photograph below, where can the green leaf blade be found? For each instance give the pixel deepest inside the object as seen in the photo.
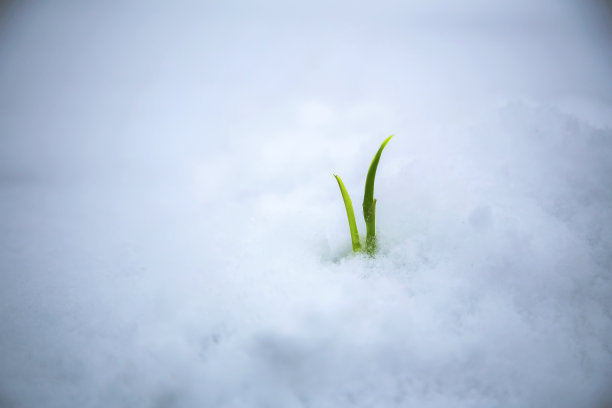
(348, 204)
(369, 203)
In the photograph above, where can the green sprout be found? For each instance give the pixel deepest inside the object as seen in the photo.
(369, 206)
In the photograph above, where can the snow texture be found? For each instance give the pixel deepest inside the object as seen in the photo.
(171, 234)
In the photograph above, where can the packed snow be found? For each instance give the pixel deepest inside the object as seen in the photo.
(171, 234)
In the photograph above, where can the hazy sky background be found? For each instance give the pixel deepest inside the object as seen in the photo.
(80, 82)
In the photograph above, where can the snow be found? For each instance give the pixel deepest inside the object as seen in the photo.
(172, 234)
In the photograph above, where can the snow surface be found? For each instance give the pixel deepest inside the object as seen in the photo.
(172, 235)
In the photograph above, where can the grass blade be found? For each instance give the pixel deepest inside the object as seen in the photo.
(369, 202)
(350, 214)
